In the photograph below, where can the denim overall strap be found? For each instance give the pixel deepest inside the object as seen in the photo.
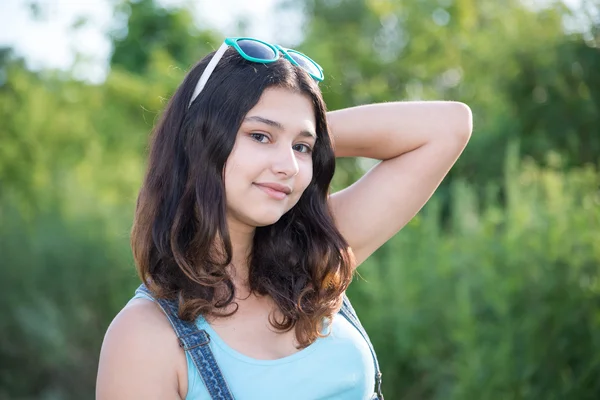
(195, 342)
(348, 312)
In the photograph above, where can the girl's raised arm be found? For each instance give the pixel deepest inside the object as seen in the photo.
(418, 142)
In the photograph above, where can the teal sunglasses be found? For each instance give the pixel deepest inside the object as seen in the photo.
(260, 52)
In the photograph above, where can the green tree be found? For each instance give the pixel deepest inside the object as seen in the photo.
(150, 27)
(524, 76)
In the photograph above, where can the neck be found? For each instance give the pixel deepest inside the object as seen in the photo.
(241, 237)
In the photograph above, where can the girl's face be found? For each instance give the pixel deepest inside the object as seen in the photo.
(270, 165)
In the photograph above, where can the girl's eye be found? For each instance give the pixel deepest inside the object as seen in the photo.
(259, 137)
(303, 148)
(300, 147)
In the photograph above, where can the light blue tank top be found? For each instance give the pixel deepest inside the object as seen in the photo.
(339, 366)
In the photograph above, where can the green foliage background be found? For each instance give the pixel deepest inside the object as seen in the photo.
(491, 292)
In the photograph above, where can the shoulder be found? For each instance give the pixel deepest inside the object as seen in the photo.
(140, 356)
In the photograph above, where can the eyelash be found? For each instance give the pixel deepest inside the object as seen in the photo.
(262, 135)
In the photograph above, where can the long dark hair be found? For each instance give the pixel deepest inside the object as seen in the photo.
(301, 261)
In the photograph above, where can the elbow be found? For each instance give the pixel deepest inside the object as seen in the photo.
(461, 122)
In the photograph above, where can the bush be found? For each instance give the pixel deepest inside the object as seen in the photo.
(501, 305)
(63, 282)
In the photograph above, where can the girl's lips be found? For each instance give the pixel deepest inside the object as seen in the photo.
(274, 193)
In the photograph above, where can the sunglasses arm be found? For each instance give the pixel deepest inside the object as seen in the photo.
(208, 71)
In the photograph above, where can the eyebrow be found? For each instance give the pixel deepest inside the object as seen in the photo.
(278, 125)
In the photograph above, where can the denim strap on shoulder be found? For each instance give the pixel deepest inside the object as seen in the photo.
(348, 312)
(195, 342)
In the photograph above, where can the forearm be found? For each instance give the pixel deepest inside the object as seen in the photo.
(387, 130)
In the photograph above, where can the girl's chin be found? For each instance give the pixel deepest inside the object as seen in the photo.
(266, 219)
(265, 222)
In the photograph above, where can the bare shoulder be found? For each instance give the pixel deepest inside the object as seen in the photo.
(141, 357)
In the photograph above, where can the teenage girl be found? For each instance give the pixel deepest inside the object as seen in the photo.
(243, 255)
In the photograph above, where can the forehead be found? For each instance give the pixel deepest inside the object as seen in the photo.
(291, 109)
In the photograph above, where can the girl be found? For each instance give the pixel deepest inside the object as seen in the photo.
(243, 255)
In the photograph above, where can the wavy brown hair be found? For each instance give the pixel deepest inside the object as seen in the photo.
(302, 261)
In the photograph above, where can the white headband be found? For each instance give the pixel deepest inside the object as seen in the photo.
(208, 71)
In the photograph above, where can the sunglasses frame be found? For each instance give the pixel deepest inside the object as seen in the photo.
(276, 50)
(232, 42)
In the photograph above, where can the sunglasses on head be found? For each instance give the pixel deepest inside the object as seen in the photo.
(255, 50)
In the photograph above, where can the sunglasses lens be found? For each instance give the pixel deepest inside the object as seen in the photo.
(305, 63)
(258, 50)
